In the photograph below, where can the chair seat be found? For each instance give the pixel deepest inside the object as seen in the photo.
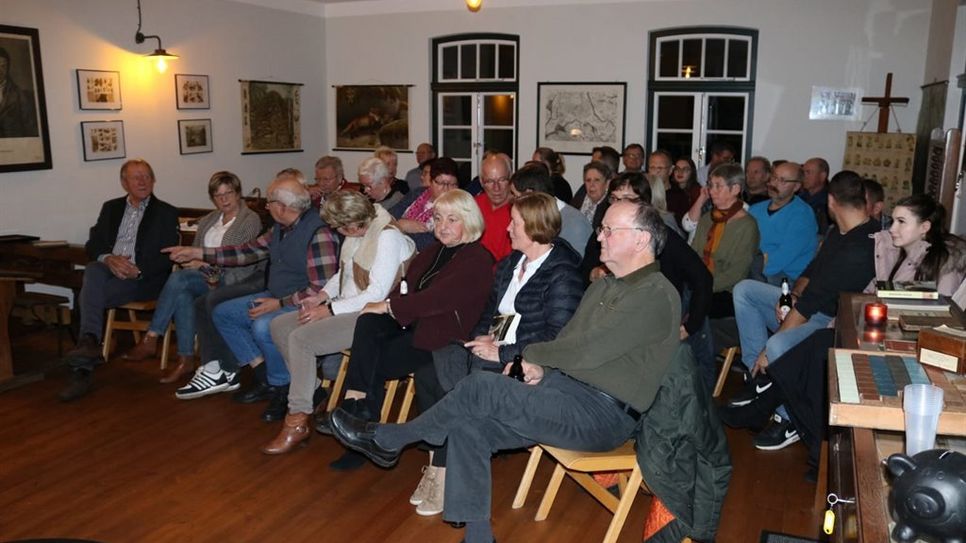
(621, 458)
(148, 305)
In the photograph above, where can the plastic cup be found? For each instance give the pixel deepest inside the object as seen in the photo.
(922, 405)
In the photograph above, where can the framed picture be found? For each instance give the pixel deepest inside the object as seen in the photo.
(98, 89)
(368, 116)
(103, 140)
(191, 91)
(194, 136)
(271, 117)
(24, 135)
(832, 104)
(573, 118)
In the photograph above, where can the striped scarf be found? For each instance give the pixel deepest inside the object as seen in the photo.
(716, 232)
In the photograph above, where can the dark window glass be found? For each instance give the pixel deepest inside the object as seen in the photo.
(456, 143)
(669, 59)
(464, 169)
(498, 110)
(450, 62)
(676, 143)
(734, 139)
(691, 58)
(726, 113)
(738, 58)
(468, 61)
(457, 111)
(499, 139)
(487, 61)
(714, 58)
(508, 61)
(675, 112)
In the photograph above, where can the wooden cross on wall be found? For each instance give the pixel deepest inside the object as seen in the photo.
(884, 103)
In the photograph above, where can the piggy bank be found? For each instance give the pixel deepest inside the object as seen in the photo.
(928, 496)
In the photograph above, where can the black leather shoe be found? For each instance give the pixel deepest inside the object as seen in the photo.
(259, 392)
(356, 408)
(277, 405)
(359, 435)
(78, 385)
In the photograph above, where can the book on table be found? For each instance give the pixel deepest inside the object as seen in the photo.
(915, 290)
(898, 306)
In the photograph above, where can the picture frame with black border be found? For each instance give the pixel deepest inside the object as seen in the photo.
(24, 132)
(575, 117)
(98, 90)
(194, 136)
(191, 91)
(103, 140)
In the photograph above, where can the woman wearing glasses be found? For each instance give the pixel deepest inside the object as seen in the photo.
(231, 223)
(417, 218)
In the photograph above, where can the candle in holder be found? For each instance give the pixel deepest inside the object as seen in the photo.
(876, 314)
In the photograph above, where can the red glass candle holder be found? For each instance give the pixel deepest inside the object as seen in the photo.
(876, 315)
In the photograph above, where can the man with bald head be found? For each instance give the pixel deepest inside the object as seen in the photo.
(424, 152)
(494, 203)
(814, 190)
(303, 254)
(787, 226)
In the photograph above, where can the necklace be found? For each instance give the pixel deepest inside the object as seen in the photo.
(433, 271)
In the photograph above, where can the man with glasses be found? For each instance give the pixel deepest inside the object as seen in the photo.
(329, 177)
(786, 225)
(125, 246)
(633, 157)
(303, 254)
(494, 203)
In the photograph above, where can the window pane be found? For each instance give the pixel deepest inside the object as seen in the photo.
(465, 170)
(692, 58)
(677, 143)
(500, 139)
(450, 62)
(669, 59)
(457, 110)
(468, 61)
(737, 58)
(498, 110)
(456, 143)
(734, 139)
(726, 113)
(508, 62)
(714, 58)
(487, 61)
(675, 112)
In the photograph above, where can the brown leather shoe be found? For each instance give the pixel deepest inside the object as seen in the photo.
(184, 367)
(148, 348)
(87, 348)
(295, 430)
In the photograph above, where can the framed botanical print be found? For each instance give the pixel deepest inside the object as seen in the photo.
(98, 89)
(103, 140)
(194, 136)
(191, 91)
(24, 134)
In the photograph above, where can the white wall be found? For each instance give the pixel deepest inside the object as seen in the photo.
(227, 41)
(819, 42)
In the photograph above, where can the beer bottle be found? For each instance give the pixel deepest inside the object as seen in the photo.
(516, 368)
(785, 302)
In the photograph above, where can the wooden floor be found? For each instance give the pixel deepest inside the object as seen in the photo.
(130, 463)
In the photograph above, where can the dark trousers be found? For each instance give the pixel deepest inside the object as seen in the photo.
(102, 290)
(382, 350)
(211, 346)
(488, 412)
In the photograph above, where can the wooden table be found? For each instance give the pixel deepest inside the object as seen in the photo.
(8, 291)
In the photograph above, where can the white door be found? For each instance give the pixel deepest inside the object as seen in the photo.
(686, 123)
(471, 123)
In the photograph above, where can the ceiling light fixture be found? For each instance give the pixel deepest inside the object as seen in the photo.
(160, 56)
(474, 5)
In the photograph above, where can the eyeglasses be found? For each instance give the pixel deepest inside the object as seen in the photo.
(782, 179)
(225, 194)
(608, 231)
(613, 198)
(449, 185)
(500, 180)
(268, 202)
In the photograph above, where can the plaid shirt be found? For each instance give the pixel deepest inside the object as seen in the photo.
(321, 258)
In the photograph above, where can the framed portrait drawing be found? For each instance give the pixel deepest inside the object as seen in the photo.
(271, 117)
(368, 116)
(24, 134)
(194, 136)
(98, 89)
(103, 140)
(573, 118)
(191, 91)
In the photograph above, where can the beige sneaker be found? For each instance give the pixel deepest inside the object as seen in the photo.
(422, 489)
(433, 501)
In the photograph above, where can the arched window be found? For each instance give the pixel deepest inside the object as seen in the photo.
(701, 89)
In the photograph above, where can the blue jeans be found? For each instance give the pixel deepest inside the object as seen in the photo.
(177, 301)
(250, 339)
(755, 312)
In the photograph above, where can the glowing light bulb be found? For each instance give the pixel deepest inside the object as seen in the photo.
(474, 5)
(161, 65)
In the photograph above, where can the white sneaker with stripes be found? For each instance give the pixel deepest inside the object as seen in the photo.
(206, 382)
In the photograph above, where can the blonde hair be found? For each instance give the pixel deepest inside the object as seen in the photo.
(461, 203)
(658, 192)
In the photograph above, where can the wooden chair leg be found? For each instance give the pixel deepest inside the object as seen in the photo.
(407, 402)
(132, 316)
(108, 334)
(624, 507)
(730, 353)
(336, 391)
(551, 494)
(535, 453)
(391, 387)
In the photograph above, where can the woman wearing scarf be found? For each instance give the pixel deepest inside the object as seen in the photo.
(726, 238)
(372, 260)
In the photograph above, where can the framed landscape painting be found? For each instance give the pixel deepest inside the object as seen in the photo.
(271, 117)
(368, 116)
(194, 136)
(103, 140)
(24, 134)
(573, 118)
(98, 89)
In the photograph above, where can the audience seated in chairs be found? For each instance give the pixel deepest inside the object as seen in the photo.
(416, 218)
(494, 203)
(126, 265)
(231, 223)
(597, 176)
(534, 177)
(536, 290)
(554, 162)
(372, 260)
(446, 290)
(726, 238)
(303, 256)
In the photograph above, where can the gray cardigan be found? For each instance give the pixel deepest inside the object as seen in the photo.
(246, 227)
